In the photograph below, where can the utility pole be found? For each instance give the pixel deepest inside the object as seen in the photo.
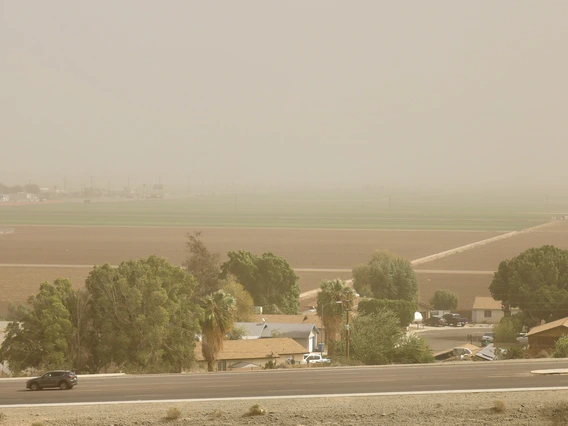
(347, 311)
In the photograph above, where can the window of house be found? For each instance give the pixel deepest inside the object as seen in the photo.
(222, 366)
(487, 314)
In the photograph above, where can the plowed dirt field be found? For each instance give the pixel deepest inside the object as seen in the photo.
(487, 258)
(303, 248)
(69, 246)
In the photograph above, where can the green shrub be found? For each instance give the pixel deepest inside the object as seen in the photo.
(403, 309)
(507, 329)
(237, 333)
(256, 410)
(514, 353)
(413, 350)
(444, 300)
(561, 348)
(270, 365)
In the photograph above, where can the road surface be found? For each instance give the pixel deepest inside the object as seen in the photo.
(443, 338)
(295, 382)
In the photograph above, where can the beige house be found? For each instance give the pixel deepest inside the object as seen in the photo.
(545, 336)
(252, 353)
(487, 310)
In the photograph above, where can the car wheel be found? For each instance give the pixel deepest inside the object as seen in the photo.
(34, 386)
(63, 385)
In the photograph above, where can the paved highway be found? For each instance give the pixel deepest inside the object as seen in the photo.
(314, 381)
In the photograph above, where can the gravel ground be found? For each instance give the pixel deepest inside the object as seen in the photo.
(511, 408)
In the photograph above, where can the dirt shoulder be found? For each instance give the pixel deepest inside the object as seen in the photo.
(513, 408)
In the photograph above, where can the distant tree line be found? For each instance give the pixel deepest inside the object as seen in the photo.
(146, 315)
(30, 188)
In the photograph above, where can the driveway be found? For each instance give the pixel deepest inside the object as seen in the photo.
(444, 338)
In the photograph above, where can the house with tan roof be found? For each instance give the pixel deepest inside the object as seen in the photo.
(545, 336)
(252, 353)
(488, 310)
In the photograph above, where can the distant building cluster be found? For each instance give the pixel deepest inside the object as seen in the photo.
(19, 197)
(37, 194)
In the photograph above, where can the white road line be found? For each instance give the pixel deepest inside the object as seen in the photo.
(453, 251)
(252, 398)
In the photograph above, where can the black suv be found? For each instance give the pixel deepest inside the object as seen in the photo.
(62, 379)
(453, 319)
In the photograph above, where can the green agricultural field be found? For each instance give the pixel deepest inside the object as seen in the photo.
(301, 210)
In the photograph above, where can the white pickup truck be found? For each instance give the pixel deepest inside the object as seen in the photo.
(314, 359)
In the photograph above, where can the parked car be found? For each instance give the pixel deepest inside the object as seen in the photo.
(522, 338)
(487, 338)
(453, 319)
(435, 322)
(463, 321)
(62, 379)
(314, 359)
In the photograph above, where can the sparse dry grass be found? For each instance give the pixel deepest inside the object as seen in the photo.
(216, 414)
(558, 415)
(173, 413)
(499, 406)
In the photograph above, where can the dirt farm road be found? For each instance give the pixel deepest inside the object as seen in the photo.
(418, 271)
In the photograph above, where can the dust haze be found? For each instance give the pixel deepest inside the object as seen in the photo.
(329, 93)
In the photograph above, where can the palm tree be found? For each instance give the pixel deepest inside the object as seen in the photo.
(331, 296)
(217, 321)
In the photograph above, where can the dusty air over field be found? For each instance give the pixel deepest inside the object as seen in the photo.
(323, 92)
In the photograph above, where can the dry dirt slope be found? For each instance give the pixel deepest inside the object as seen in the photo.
(512, 408)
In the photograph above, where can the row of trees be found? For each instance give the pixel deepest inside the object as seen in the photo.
(145, 315)
(140, 316)
(30, 188)
(269, 279)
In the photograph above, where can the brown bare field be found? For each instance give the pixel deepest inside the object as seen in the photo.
(334, 249)
(488, 257)
(466, 286)
(16, 284)
(303, 248)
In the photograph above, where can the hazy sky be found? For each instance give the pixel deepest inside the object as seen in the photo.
(385, 92)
